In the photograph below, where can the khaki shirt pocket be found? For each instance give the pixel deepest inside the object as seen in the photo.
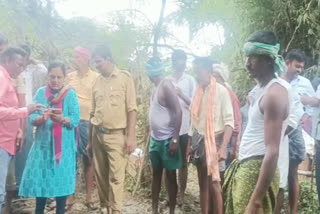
(116, 98)
(99, 99)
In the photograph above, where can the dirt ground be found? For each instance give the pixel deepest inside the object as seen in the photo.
(139, 204)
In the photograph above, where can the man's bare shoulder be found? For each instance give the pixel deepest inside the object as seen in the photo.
(277, 91)
(167, 84)
(276, 99)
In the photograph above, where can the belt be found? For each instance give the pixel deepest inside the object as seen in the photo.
(110, 131)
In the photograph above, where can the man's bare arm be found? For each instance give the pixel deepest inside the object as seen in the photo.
(172, 102)
(311, 101)
(275, 108)
(91, 113)
(185, 98)
(131, 129)
(226, 139)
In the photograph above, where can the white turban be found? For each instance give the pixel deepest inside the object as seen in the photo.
(222, 70)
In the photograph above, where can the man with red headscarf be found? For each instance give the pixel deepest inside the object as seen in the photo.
(82, 81)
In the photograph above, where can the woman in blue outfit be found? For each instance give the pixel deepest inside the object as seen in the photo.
(51, 166)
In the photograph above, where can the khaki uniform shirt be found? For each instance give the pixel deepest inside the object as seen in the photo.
(223, 112)
(83, 87)
(112, 98)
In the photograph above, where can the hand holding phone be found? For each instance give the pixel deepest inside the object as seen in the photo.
(56, 111)
(56, 115)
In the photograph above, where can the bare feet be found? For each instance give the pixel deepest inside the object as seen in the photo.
(70, 203)
(180, 199)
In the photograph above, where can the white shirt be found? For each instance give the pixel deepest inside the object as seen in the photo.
(187, 84)
(283, 161)
(316, 118)
(303, 87)
(293, 118)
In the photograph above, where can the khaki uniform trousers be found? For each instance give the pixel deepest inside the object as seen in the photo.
(110, 160)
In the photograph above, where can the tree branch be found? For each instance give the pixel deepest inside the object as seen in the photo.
(298, 26)
(133, 10)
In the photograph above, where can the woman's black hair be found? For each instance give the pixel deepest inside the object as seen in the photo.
(57, 64)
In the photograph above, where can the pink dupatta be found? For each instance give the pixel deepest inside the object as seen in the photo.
(57, 102)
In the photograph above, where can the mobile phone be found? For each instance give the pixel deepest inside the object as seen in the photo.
(56, 110)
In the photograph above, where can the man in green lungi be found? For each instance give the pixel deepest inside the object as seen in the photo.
(252, 182)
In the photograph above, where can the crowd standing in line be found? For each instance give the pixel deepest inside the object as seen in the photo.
(245, 157)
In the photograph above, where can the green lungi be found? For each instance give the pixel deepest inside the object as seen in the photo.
(240, 181)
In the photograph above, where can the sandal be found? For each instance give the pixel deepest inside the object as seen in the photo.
(91, 206)
(51, 204)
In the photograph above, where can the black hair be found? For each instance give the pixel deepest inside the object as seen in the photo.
(102, 51)
(3, 39)
(263, 36)
(296, 54)
(203, 62)
(57, 64)
(26, 48)
(12, 52)
(178, 54)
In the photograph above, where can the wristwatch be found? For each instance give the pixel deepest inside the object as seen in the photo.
(174, 141)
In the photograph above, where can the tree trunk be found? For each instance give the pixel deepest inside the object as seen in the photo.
(157, 30)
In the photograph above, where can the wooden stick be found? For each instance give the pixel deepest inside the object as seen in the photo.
(145, 150)
(306, 173)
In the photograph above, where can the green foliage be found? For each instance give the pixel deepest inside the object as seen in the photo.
(295, 22)
(308, 199)
(36, 23)
(199, 13)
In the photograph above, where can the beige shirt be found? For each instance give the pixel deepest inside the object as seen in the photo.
(112, 99)
(83, 84)
(223, 112)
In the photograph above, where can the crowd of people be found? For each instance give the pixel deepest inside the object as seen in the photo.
(245, 156)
